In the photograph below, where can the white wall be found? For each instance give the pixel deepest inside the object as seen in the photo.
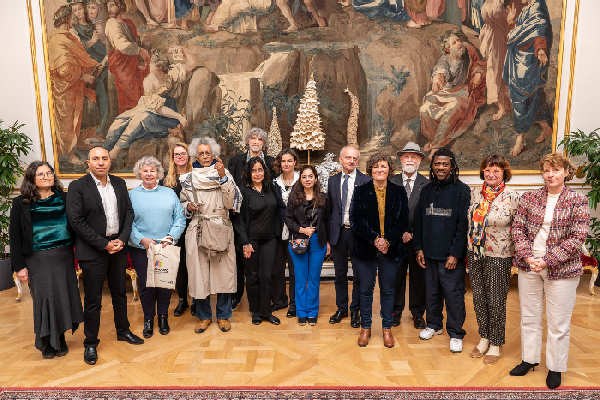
(18, 100)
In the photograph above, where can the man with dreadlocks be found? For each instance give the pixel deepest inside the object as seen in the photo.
(440, 242)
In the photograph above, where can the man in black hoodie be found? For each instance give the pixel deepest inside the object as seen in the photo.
(440, 242)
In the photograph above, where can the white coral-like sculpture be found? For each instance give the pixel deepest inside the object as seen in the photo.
(307, 133)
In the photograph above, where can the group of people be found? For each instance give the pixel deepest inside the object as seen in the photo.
(239, 226)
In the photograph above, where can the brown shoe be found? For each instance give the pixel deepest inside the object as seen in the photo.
(388, 338)
(202, 325)
(475, 353)
(489, 359)
(224, 325)
(364, 336)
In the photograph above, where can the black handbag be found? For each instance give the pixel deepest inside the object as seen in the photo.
(300, 246)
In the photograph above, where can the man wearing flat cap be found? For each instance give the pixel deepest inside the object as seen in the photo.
(410, 158)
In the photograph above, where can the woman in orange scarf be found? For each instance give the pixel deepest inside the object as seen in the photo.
(490, 251)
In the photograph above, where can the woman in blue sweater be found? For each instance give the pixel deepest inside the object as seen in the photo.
(158, 218)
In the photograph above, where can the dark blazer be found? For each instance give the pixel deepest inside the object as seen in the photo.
(420, 182)
(364, 220)
(237, 167)
(295, 218)
(334, 195)
(87, 218)
(21, 232)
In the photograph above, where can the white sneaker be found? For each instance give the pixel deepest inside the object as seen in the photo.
(428, 333)
(456, 345)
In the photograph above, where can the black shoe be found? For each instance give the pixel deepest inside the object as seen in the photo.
(63, 349)
(148, 328)
(163, 325)
(129, 337)
(48, 352)
(291, 312)
(256, 319)
(181, 307)
(302, 320)
(272, 319)
(523, 368)
(419, 323)
(396, 317)
(337, 317)
(553, 379)
(355, 319)
(90, 355)
(312, 321)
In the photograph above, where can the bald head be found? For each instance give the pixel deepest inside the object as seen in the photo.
(349, 156)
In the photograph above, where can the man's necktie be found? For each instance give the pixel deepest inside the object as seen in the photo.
(344, 195)
(408, 188)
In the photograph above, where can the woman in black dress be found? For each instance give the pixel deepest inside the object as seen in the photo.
(42, 253)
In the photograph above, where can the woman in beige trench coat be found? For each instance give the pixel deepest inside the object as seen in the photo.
(209, 192)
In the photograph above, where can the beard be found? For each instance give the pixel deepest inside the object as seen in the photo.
(457, 52)
(410, 168)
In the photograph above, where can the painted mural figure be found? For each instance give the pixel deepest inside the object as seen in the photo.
(90, 29)
(417, 12)
(457, 91)
(493, 48)
(156, 112)
(127, 60)
(526, 69)
(71, 68)
(392, 9)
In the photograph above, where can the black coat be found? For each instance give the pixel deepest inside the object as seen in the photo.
(419, 183)
(237, 167)
(243, 221)
(87, 218)
(295, 218)
(334, 195)
(364, 220)
(21, 232)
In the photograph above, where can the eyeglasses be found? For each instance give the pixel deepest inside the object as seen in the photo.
(47, 174)
(204, 153)
(180, 154)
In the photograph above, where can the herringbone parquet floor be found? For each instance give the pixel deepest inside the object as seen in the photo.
(285, 355)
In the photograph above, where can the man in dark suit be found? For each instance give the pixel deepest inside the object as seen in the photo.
(256, 140)
(340, 189)
(410, 158)
(100, 213)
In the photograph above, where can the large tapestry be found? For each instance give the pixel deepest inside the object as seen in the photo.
(134, 76)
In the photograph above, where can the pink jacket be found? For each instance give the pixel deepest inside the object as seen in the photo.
(568, 231)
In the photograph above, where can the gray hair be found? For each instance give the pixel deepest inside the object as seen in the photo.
(151, 161)
(256, 131)
(207, 140)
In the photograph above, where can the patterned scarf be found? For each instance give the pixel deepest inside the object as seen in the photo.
(479, 218)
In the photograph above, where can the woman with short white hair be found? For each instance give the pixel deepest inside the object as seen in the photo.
(158, 218)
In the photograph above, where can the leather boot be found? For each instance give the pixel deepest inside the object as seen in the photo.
(364, 336)
(388, 338)
(163, 325)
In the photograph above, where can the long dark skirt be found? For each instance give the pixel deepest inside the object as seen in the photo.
(56, 301)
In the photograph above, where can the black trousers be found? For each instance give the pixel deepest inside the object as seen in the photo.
(239, 263)
(280, 298)
(445, 286)
(154, 300)
(111, 266)
(181, 283)
(340, 253)
(259, 271)
(416, 289)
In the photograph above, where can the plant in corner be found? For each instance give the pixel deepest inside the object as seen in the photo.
(587, 146)
(14, 144)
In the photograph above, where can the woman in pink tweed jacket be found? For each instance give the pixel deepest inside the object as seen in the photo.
(548, 231)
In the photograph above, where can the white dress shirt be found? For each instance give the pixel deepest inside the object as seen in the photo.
(109, 203)
(351, 180)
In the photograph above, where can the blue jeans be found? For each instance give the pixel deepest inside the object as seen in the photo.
(307, 268)
(445, 285)
(367, 270)
(204, 311)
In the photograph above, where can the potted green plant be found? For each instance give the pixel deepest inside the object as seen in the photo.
(587, 147)
(14, 144)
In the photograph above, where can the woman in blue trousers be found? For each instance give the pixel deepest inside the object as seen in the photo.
(306, 218)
